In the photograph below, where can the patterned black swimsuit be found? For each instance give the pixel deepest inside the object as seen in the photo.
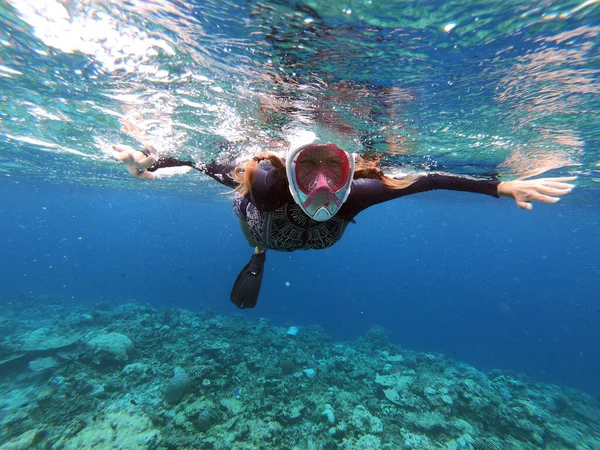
(276, 222)
(287, 228)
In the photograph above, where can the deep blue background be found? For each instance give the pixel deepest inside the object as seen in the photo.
(470, 276)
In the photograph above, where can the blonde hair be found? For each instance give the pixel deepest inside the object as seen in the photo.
(364, 168)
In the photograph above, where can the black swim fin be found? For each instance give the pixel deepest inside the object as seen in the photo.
(247, 285)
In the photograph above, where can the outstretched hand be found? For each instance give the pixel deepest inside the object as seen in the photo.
(546, 190)
(136, 161)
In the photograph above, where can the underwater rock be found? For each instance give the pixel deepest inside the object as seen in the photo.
(412, 440)
(43, 366)
(378, 336)
(328, 414)
(40, 343)
(15, 362)
(427, 421)
(99, 392)
(292, 331)
(46, 339)
(215, 348)
(365, 422)
(202, 412)
(206, 417)
(179, 385)
(365, 442)
(259, 430)
(29, 439)
(118, 427)
(429, 391)
(396, 380)
(394, 358)
(310, 373)
(233, 405)
(338, 432)
(392, 395)
(204, 421)
(111, 348)
(292, 412)
(138, 372)
(288, 366)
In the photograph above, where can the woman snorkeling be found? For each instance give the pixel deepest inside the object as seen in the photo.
(306, 200)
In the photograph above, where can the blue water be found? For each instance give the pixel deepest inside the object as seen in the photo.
(474, 278)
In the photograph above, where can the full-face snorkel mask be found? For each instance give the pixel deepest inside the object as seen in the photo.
(320, 177)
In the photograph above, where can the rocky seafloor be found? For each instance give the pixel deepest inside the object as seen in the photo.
(130, 376)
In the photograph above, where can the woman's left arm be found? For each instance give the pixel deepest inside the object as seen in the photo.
(369, 192)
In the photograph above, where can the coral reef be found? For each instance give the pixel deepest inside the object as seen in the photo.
(130, 376)
(178, 386)
(110, 348)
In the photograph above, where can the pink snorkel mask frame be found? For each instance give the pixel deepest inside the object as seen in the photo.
(323, 201)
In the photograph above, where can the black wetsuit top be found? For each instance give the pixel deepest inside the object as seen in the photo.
(276, 222)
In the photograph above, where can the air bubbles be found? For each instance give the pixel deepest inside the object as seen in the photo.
(449, 27)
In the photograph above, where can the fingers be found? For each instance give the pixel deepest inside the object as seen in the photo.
(133, 171)
(553, 188)
(549, 190)
(537, 197)
(136, 161)
(140, 174)
(554, 191)
(560, 179)
(524, 205)
(147, 161)
(125, 153)
(123, 148)
(545, 190)
(556, 185)
(545, 198)
(122, 157)
(145, 175)
(134, 157)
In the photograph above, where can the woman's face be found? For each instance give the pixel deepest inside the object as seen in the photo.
(322, 162)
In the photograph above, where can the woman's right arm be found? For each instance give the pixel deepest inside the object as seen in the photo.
(142, 164)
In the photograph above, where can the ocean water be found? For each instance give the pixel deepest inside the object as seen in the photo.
(484, 89)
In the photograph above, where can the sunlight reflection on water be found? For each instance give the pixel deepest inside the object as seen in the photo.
(470, 88)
